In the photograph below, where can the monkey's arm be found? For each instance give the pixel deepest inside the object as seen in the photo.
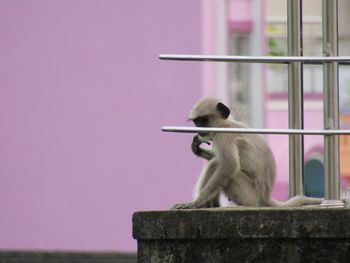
(209, 192)
(228, 165)
(197, 150)
(202, 182)
(206, 196)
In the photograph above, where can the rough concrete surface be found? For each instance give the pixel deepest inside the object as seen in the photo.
(243, 235)
(66, 257)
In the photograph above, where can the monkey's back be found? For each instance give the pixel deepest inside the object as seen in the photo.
(256, 159)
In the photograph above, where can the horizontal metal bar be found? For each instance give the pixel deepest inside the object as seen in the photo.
(253, 131)
(345, 60)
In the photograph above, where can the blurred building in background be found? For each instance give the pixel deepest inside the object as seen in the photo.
(259, 93)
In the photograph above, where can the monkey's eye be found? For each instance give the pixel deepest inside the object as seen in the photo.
(201, 121)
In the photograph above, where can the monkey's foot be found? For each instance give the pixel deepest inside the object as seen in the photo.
(184, 206)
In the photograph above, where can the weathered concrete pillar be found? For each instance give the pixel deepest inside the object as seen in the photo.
(243, 235)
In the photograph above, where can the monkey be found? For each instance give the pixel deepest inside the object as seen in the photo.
(241, 166)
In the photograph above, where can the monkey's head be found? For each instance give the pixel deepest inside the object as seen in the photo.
(209, 112)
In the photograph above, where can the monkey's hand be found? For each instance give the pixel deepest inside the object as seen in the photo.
(185, 206)
(196, 142)
(197, 150)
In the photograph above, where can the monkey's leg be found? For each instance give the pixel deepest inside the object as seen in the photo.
(241, 190)
(199, 151)
(202, 182)
(210, 190)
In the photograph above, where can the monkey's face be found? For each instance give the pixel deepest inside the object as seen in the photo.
(203, 121)
(209, 112)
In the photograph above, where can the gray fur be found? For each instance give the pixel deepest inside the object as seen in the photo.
(241, 166)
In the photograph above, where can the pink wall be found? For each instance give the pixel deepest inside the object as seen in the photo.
(82, 100)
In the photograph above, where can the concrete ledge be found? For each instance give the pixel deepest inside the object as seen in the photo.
(65, 257)
(244, 235)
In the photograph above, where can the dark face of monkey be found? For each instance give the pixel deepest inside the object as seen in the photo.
(204, 119)
(201, 121)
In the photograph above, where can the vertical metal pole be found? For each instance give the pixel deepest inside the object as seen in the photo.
(331, 102)
(295, 98)
(256, 95)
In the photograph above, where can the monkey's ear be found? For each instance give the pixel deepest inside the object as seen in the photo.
(223, 109)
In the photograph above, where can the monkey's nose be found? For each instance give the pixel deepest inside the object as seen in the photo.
(203, 134)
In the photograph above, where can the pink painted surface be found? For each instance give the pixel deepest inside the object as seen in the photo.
(280, 191)
(82, 100)
(240, 10)
(307, 96)
(241, 26)
(240, 15)
(279, 143)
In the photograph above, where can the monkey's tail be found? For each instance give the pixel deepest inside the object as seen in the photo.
(295, 201)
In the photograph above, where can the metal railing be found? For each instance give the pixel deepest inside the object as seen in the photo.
(295, 60)
(345, 60)
(331, 101)
(254, 131)
(295, 97)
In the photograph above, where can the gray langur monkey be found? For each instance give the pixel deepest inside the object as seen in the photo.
(241, 166)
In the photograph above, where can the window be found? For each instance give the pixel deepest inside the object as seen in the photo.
(238, 80)
(277, 74)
